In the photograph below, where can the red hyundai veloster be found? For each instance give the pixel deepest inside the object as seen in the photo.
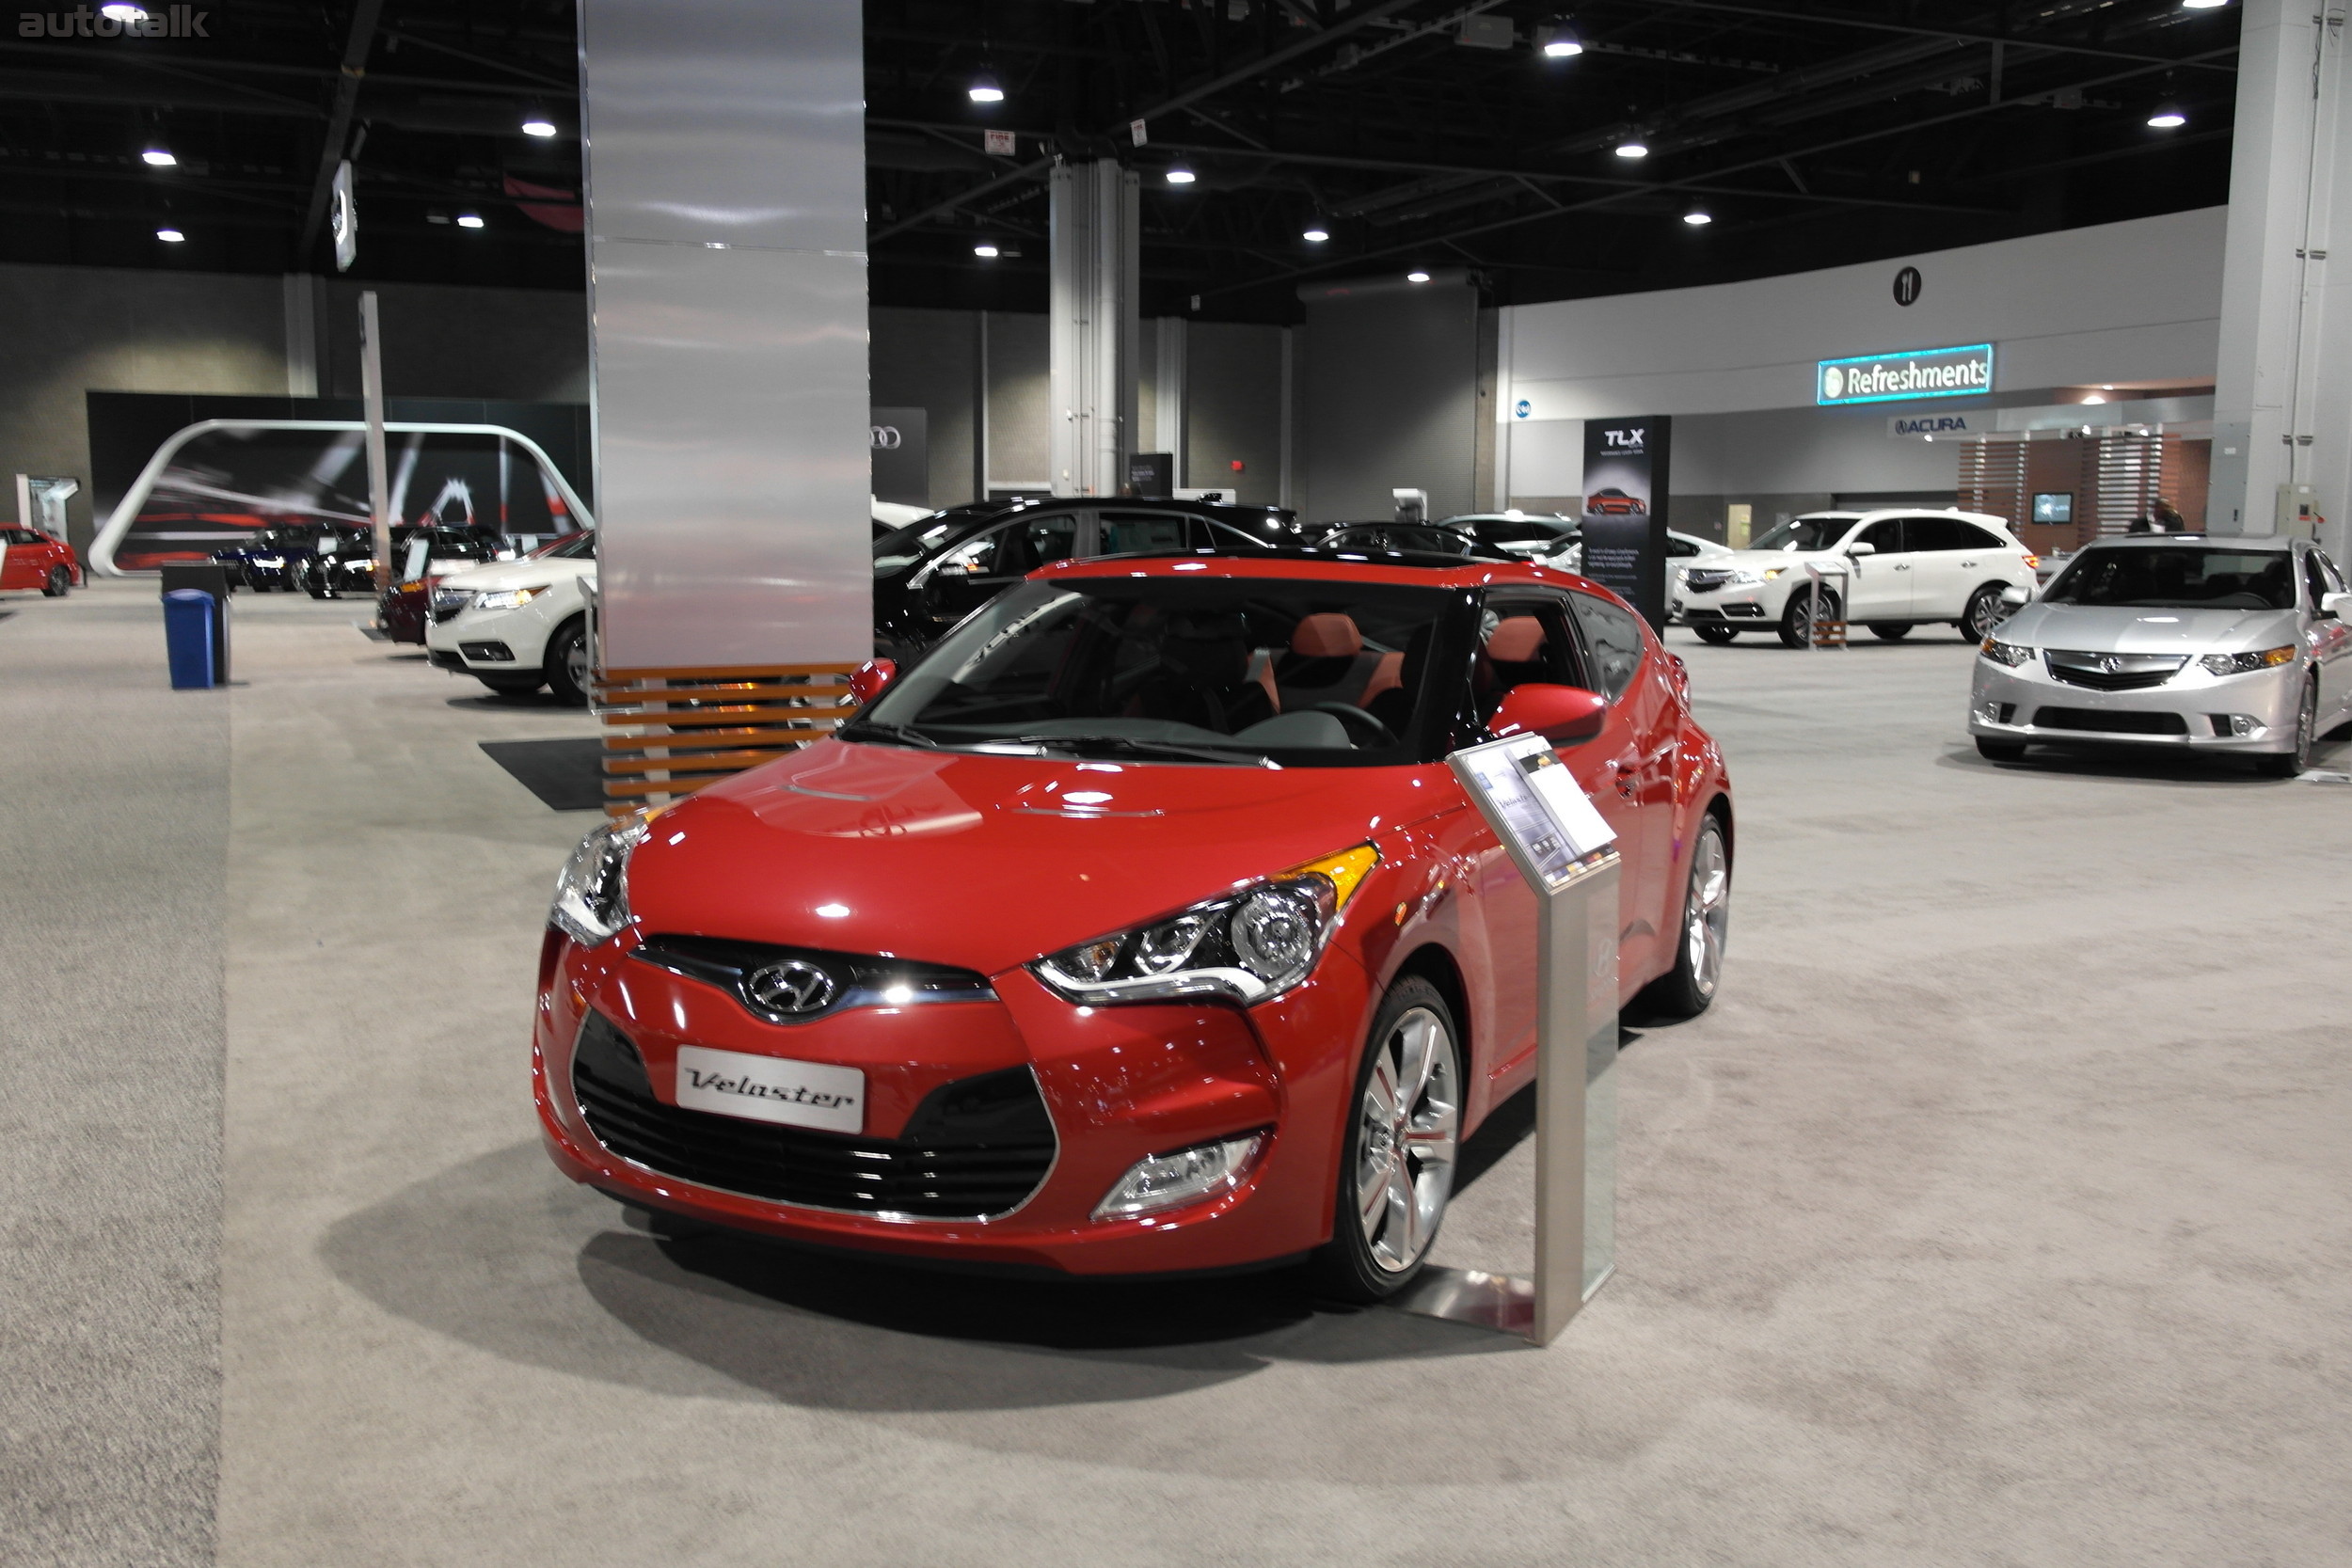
(1139, 927)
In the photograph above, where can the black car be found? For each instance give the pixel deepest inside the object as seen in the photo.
(344, 558)
(933, 572)
(1528, 535)
(1429, 539)
(270, 560)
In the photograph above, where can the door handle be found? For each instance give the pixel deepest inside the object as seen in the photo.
(1902, 567)
(1967, 564)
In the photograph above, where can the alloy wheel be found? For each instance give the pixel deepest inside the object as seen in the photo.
(575, 662)
(1408, 1131)
(1707, 913)
(2306, 721)
(1984, 614)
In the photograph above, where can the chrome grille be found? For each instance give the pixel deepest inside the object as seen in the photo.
(2112, 672)
(1705, 581)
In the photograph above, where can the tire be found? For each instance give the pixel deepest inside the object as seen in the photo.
(1714, 634)
(2286, 765)
(1890, 632)
(567, 669)
(2000, 751)
(1688, 989)
(511, 686)
(1796, 619)
(1982, 614)
(1399, 1149)
(60, 580)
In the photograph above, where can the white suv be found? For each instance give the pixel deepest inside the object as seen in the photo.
(517, 626)
(1890, 570)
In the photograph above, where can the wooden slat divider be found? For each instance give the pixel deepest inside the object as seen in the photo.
(670, 732)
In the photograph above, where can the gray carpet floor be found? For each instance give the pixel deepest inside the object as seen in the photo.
(1994, 1216)
(112, 875)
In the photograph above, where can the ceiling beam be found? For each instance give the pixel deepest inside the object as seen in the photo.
(1958, 35)
(1259, 65)
(362, 39)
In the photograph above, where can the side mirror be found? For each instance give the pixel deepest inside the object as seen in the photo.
(2016, 596)
(2332, 606)
(1564, 715)
(1861, 547)
(871, 677)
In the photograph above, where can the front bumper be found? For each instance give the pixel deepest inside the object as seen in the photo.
(2194, 711)
(1120, 1084)
(473, 640)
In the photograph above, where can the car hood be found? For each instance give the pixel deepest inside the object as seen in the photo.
(988, 861)
(1764, 561)
(2124, 629)
(492, 576)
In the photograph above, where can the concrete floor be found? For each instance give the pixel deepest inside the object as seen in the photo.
(1994, 1217)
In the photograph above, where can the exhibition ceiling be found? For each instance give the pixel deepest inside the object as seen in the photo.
(1497, 136)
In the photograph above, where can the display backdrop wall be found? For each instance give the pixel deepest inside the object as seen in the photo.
(1390, 397)
(220, 486)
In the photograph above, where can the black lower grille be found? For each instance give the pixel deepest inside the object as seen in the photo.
(2114, 672)
(975, 1148)
(2109, 723)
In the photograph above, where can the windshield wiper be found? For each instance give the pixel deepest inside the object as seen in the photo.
(887, 731)
(1128, 744)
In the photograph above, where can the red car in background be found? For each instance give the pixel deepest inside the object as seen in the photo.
(1139, 927)
(35, 559)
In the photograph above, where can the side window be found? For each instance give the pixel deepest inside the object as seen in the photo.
(1209, 535)
(1044, 541)
(977, 557)
(1520, 641)
(1125, 532)
(1975, 538)
(1676, 545)
(1612, 643)
(1935, 534)
(1885, 536)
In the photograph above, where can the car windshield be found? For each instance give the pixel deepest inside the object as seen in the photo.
(1804, 533)
(925, 534)
(1238, 672)
(2178, 576)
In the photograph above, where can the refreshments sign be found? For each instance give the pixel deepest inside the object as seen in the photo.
(1927, 372)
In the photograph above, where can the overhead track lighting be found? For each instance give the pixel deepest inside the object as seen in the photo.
(984, 88)
(985, 251)
(1180, 175)
(1632, 150)
(170, 236)
(1558, 42)
(157, 157)
(1698, 218)
(469, 220)
(1416, 277)
(1315, 233)
(2202, 4)
(2168, 118)
(539, 125)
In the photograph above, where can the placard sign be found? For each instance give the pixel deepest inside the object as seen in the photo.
(1623, 521)
(1533, 797)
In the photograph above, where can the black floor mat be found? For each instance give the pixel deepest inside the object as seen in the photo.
(567, 774)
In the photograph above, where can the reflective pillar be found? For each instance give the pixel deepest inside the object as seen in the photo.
(724, 158)
(1091, 344)
(2283, 400)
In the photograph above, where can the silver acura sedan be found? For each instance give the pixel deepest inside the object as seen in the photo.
(2180, 640)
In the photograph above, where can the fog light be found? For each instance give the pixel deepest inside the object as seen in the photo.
(1187, 1175)
(1988, 713)
(2244, 724)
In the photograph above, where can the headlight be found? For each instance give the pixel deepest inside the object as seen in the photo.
(1248, 945)
(2238, 664)
(592, 895)
(1752, 580)
(2005, 653)
(512, 598)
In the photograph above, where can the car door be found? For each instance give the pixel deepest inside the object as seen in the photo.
(14, 554)
(1879, 588)
(2331, 638)
(1939, 583)
(967, 576)
(1633, 782)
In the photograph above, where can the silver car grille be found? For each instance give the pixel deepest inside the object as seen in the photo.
(2113, 671)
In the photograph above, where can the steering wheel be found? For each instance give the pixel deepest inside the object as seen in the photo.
(1364, 732)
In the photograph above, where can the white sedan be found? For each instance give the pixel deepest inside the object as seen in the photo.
(517, 626)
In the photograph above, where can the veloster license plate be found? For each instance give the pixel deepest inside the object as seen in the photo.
(772, 1088)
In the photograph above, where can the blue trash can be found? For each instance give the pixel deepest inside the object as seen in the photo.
(188, 633)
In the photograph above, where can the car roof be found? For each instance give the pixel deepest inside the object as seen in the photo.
(2226, 541)
(1878, 512)
(1315, 566)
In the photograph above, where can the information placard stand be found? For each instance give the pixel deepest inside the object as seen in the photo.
(1565, 853)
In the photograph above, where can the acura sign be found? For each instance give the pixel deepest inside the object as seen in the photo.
(1927, 372)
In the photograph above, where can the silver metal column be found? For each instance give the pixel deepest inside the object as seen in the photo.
(723, 151)
(1168, 385)
(1095, 244)
(2283, 400)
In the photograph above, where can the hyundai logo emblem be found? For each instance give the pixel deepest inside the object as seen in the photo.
(794, 989)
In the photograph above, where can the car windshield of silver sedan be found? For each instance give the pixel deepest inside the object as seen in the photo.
(1241, 673)
(1804, 533)
(2178, 576)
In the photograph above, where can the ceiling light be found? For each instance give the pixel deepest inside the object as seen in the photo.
(1180, 175)
(538, 126)
(1697, 217)
(1631, 150)
(122, 12)
(1315, 235)
(170, 236)
(2186, 5)
(1416, 277)
(2168, 118)
(468, 220)
(985, 251)
(1558, 43)
(985, 90)
(155, 157)
(2094, 397)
